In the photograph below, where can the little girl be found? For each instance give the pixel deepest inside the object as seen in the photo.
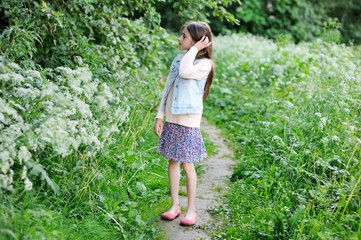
(186, 88)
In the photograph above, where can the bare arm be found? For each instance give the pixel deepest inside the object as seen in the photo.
(158, 127)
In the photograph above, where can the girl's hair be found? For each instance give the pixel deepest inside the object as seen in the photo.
(197, 30)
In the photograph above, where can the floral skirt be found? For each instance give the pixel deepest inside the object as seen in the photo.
(181, 144)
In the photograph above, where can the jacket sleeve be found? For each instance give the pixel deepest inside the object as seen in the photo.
(189, 70)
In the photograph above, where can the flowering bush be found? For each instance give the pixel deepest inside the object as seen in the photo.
(292, 114)
(59, 109)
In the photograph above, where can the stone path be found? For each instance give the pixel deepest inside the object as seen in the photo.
(216, 171)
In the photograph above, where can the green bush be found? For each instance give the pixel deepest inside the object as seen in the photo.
(80, 81)
(303, 20)
(291, 113)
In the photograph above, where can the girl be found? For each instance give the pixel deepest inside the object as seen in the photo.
(186, 88)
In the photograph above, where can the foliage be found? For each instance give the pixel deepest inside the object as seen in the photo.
(62, 112)
(114, 194)
(303, 20)
(175, 13)
(273, 18)
(292, 115)
(348, 15)
(79, 84)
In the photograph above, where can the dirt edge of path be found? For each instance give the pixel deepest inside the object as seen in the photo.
(212, 184)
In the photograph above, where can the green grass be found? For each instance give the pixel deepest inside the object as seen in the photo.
(292, 115)
(114, 195)
(118, 194)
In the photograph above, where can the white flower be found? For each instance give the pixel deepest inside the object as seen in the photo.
(83, 108)
(50, 89)
(74, 84)
(33, 73)
(66, 70)
(28, 184)
(277, 139)
(24, 172)
(5, 77)
(5, 166)
(102, 102)
(14, 66)
(325, 140)
(89, 89)
(322, 122)
(5, 163)
(106, 92)
(335, 138)
(68, 112)
(23, 154)
(17, 78)
(62, 149)
(318, 114)
(2, 117)
(288, 104)
(85, 75)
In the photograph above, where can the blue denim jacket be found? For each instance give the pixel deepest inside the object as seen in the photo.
(188, 93)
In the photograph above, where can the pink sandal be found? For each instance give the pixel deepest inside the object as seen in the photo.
(171, 216)
(188, 222)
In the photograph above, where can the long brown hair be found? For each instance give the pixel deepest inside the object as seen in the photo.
(197, 30)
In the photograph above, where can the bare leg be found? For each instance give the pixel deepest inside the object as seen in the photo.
(174, 176)
(191, 179)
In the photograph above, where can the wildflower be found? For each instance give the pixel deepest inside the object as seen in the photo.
(2, 117)
(83, 108)
(65, 70)
(307, 152)
(89, 89)
(5, 77)
(49, 90)
(278, 140)
(85, 75)
(17, 78)
(14, 66)
(6, 161)
(293, 152)
(102, 102)
(33, 73)
(74, 84)
(24, 173)
(335, 138)
(28, 184)
(322, 122)
(23, 154)
(288, 104)
(106, 92)
(325, 140)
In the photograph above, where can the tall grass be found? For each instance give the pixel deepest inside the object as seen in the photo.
(292, 113)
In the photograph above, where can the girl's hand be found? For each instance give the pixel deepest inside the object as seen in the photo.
(158, 127)
(203, 43)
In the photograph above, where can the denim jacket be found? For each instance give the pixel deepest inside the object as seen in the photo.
(188, 93)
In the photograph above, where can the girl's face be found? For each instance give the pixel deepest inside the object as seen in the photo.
(185, 40)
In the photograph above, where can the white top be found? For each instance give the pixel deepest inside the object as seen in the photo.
(187, 70)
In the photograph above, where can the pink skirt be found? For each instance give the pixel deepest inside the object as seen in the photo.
(181, 144)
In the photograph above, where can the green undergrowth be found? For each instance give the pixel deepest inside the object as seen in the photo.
(111, 196)
(291, 112)
(118, 194)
